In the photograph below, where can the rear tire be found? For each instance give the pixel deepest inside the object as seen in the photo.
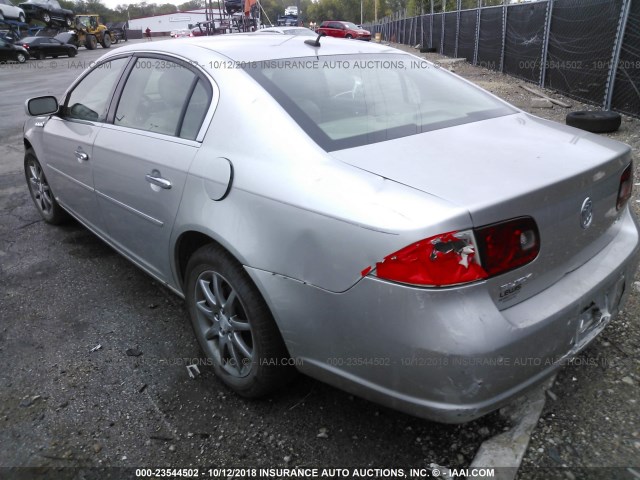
(106, 40)
(69, 21)
(21, 57)
(46, 18)
(348, 36)
(40, 55)
(40, 191)
(233, 324)
(22, 18)
(72, 53)
(596, 122)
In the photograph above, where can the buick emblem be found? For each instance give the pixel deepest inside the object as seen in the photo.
(586, 213)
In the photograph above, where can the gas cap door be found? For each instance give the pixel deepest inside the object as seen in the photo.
(220, 178)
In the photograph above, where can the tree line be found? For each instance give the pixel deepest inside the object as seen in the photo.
(311, 11)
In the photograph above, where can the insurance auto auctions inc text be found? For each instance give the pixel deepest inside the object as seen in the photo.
(431, 472)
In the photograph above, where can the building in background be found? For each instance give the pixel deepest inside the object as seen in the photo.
(161, 25)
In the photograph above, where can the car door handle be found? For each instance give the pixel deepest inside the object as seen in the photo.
(81, 156)
(159, 181)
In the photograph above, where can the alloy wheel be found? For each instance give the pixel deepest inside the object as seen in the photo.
(40, 188)
(223, 322)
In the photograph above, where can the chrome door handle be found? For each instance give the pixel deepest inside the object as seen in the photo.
(159, 181)
(81, 156)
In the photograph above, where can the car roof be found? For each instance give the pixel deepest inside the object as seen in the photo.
(255, 47)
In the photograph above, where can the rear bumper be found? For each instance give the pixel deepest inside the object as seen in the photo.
(449, 355)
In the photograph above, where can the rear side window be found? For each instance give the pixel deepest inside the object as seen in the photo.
(89, 100)
(163, 97)
(195, 112)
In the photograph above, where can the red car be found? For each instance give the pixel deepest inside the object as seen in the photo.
(344, 30)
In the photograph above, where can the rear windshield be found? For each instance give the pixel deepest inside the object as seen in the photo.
(347, 101)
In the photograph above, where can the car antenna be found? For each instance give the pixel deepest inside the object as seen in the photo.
(316, 42)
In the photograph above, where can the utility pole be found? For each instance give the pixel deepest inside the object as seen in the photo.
(361, 16)
(375, 10)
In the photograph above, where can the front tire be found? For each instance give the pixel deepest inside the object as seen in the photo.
(40, 191)
(22, 18)
(69, 21)
(91, 42)
(46, 18)
(106, 40)
(233, 324)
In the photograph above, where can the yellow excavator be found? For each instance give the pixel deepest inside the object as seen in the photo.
(89, 32)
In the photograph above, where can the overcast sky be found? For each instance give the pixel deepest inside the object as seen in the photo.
(115, 3)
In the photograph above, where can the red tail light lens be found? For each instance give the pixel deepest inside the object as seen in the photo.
(456, 258)
(25, 46)
(626, 187)
(508, 245)
(447, 259)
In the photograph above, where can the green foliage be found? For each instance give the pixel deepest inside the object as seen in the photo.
(191, 5)
(349, 10)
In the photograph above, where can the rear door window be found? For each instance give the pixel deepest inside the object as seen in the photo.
(164, 97)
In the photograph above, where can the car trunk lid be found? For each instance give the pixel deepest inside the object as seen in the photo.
(514, 166)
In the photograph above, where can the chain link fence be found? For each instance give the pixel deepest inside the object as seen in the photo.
(586, 49)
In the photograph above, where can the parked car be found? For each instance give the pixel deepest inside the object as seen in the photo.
(287, 21)
(118, 31)
(48, 11)
(201, 30)
(12, 30)
(9, 34)
(296, 31)
(10, 51)
(68, 38)
(233, 6)
(344, 30)
(10, 12)
(185, 32)
(42, 47)
(293, 10)
(379, 223)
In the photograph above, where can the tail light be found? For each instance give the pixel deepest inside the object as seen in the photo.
(447, 259)
(626, 187)
(24, 45)
(456, 258)
(508, 245)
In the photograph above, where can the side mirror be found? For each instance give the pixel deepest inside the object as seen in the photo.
(41, 106)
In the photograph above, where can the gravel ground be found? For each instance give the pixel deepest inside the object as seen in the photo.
(592, 414)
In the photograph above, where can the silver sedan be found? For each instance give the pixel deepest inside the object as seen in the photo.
(345, 210)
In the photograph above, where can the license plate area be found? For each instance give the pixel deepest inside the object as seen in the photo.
(595, 316)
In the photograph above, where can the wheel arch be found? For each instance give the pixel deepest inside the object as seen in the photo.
(187, 243)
